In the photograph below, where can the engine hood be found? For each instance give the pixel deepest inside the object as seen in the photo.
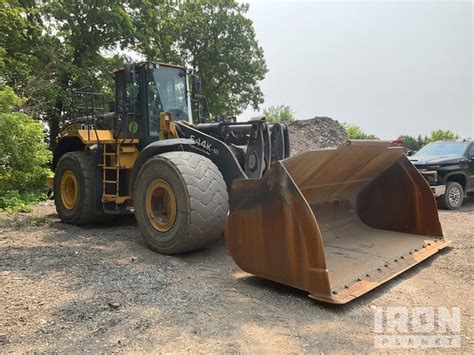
(432, 160)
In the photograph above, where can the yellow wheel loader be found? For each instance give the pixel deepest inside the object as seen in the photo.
(335, 222)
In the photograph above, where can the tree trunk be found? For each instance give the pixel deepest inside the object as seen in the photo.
(55, 116)
(53, 130)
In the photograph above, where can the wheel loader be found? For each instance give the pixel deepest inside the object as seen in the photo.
(334, 222)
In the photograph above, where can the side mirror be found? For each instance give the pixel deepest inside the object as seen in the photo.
(197, 84)
(111, 106)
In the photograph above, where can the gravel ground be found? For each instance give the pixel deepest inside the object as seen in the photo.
(70, 289)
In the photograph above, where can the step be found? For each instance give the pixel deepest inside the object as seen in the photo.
(128, 149)
(114, 198)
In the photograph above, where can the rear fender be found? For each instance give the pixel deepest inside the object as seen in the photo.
(66, 145)
(156, 148)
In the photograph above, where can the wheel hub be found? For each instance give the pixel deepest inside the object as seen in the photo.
(69, 189)
(161, 205)
(454, 196)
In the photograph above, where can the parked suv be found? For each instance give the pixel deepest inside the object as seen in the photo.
(448, 166)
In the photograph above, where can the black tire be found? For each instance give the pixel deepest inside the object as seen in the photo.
(201, 201)
(453, 197)
(83, 212)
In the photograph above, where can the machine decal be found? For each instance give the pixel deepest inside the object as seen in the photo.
(87, 126)
(204, 145)
(133, 127)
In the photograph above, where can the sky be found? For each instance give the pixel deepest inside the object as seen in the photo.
(391, 68)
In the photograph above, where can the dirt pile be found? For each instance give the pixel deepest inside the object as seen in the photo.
(314, 133)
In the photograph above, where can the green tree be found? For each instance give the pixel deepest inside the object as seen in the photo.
(23, 154)
(215, 38)
(421, 141)
(157, 29)
(440, 135)
(49, 47)
(409, 142)
(355, 132)
(18, 29)
(86, 29)
(414, 143)
(279, 114)
(27, 53)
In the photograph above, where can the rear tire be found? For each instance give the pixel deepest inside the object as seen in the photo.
(192, 214)
(453, 197)
(75, 169)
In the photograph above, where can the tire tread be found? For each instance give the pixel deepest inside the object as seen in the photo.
(207, 196)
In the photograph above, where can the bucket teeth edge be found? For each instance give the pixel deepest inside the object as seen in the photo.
(378, 276)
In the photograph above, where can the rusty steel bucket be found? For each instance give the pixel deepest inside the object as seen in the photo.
(334, 222)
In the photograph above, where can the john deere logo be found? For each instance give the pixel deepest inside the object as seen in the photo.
(133, 127)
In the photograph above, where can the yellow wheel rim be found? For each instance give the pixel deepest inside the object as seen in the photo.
(161, 205)
(69, 189)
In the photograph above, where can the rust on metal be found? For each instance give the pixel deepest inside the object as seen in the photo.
(335, 222)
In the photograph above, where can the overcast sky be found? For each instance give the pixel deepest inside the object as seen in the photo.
(390, 67)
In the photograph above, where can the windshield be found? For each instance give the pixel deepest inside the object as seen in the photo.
(166, 93)
(442, 149)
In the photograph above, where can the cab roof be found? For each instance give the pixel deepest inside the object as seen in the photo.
(156, 64)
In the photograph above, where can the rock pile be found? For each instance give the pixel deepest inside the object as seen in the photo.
(315, 133)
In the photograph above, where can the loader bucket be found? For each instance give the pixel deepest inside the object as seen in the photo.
(334, 222)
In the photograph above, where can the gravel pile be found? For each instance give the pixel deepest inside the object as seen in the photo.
(315, 133)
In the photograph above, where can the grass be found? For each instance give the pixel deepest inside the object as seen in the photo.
(15, 202)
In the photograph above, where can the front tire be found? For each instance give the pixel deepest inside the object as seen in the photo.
(453, 197)
(181, 202)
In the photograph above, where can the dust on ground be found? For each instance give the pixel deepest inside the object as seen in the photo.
(99, 288)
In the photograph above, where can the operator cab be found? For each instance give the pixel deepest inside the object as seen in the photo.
(145, 90)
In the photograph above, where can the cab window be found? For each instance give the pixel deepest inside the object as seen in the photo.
(166, 92)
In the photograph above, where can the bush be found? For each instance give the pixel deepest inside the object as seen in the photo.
(279, 114)
(355, 132)
(23, 155)
(14, 201)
